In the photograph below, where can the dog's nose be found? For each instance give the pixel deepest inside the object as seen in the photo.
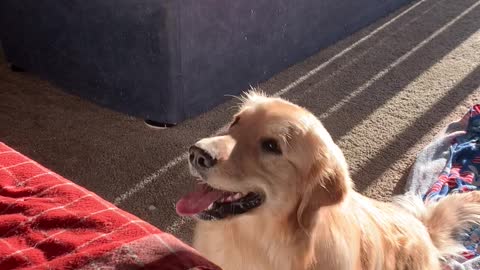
(200, 158)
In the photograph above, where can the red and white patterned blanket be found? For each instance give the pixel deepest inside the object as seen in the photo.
(48, 222)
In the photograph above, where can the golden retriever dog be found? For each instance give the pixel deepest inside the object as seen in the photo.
(274, 193)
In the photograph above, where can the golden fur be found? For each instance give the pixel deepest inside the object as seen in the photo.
(312, 217)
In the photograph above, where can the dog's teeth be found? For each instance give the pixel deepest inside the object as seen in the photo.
(210, 206)
(232, 197)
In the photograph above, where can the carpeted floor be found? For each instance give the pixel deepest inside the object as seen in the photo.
(383, 93)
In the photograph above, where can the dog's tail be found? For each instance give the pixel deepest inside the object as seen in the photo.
(447, 218)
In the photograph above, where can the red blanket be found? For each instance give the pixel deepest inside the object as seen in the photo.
(48, 222)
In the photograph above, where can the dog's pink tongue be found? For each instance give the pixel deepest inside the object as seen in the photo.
(197, 201)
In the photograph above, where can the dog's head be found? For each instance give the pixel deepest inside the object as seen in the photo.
(275, 156)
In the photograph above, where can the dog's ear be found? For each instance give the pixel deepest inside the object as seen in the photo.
(326, 183)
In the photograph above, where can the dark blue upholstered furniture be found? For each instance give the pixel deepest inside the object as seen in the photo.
(168, 60)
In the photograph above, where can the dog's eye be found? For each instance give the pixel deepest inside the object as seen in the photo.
(271, 146)
(235, 121)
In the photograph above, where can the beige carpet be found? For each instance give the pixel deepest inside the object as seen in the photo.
(383, 93)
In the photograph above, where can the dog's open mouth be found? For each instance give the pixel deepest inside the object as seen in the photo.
(207, 203)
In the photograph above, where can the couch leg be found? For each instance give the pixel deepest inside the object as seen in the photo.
(16, 68)
(158, 125)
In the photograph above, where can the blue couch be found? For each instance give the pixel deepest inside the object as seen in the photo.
(169, 60)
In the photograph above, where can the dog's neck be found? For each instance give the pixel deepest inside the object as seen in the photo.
(337, 228)
(264, 236)
(270, 238)
(361, 226)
